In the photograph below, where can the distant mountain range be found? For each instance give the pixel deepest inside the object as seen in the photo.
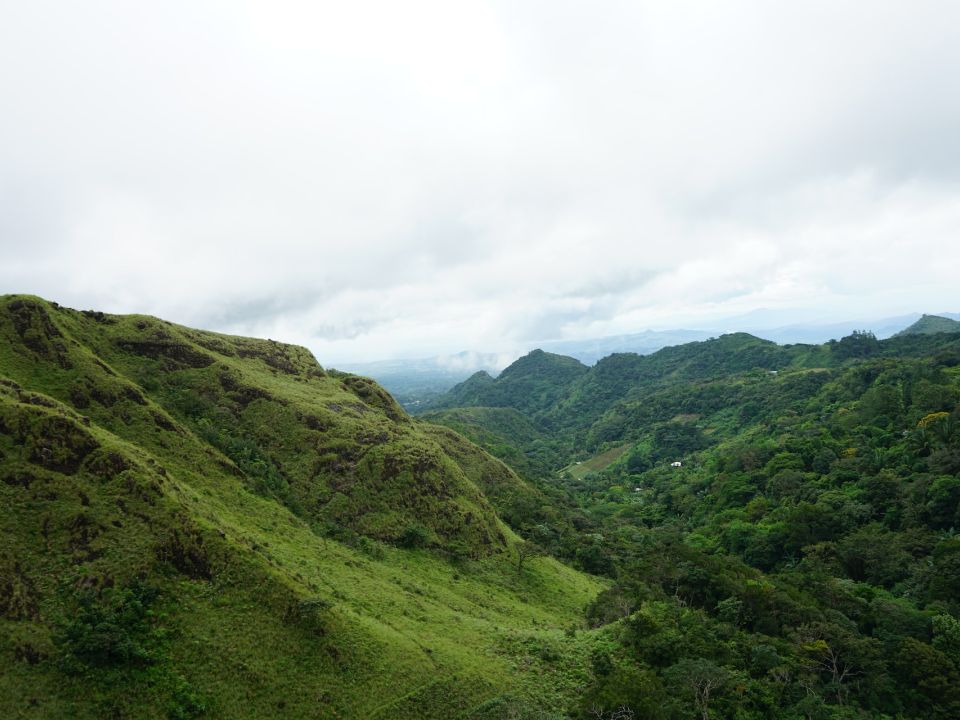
(649, 341)
(643, 343)
(415, 382)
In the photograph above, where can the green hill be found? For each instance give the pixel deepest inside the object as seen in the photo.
(198, 525)
(531, 384)
(500, 430)
(931, 324)
(470, 392)
(779, 523)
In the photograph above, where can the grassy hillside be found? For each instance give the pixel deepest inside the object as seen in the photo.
(580, 469)
(196, 525)
(932, 324)
(501, 431)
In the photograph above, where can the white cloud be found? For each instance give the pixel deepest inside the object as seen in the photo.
(376, 179)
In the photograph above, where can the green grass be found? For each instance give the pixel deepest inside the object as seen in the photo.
(601, 461)
(263, 499)
(931, 325)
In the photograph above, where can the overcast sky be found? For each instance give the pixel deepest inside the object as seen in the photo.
(383, 179)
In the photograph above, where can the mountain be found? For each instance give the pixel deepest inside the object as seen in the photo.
(575, 397)
(533, 381)
(416, 382)
(591, 350)
(200, 525)
(932, 324)
(779, 521)
(766, 326)
(541, 383)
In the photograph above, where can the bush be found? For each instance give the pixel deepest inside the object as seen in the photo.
(112, 630)
(371, 548)
(414, 536)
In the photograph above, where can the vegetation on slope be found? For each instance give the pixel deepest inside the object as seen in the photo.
(932, 324)
(534, 381)
(195, 525)
(501, 431)
(801, 562)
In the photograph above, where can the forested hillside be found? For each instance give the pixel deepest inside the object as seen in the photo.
(536, 380)
(779, 522)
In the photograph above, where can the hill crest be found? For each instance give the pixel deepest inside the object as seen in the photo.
(185, 515)
(930, 325)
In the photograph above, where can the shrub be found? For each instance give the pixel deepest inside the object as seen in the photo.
(112, 630)
(414, 536)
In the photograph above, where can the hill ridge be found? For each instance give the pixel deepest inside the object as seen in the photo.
(278, 522)
(931, 324)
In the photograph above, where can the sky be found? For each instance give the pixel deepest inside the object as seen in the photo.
(383, 179)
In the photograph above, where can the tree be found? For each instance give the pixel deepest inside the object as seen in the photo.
(625, 691)
(525, 550)
(415, 536)
(859, 344)
(946, 636)
(945, 573)
(702, 678)
(114, 630)
(621, 713)
(841, 657)
(930, 683)
(595, 559)
(943, 500)
(638, 461)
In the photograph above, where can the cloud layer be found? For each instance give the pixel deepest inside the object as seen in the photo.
(375, 179)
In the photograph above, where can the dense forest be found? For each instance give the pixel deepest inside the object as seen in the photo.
(196, 525)
(780, 522)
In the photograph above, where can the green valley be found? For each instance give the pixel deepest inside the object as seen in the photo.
(197, 525)
(779, 521)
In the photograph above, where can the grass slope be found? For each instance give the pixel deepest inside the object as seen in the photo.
(930, 325)
(195, 525)
(578, 470)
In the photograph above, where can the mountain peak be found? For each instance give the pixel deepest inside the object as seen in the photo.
(931, 325)
(539, 361)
